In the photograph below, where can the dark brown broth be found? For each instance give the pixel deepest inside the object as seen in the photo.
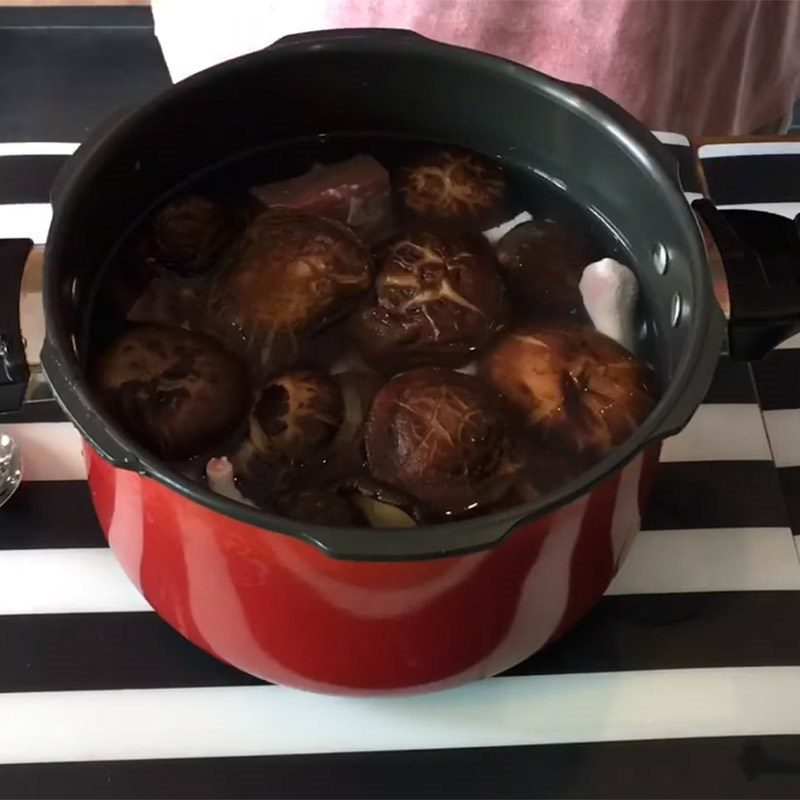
(229, 183)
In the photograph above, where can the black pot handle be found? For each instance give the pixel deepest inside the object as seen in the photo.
(760, 315)
(14, 370)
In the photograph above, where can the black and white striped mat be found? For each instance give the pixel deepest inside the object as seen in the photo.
(684, 682)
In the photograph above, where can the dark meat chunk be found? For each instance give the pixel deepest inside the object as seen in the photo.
(453, 185)
(293, 273)
(174, 391)
(355, 192)
(577, 388)
(441, 437)
(321, 506)
(439, 301)
(542, 263)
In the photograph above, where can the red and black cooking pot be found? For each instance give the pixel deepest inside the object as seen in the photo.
(357, 611)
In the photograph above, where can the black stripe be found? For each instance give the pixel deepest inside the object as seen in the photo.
(777, 380)
(76, 16)
(735, 766)
(60, 82)
(35, 411)
(48, 514)
(753, 179)
(678, 631)
(137, 650)
(790, 483)
(27, 179)
(687, 166)
(716, 494)
(732, 383)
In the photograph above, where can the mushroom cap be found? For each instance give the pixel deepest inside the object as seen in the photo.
(298, 412)
(576, 387)
(452, 184)
(175, 391)
(189, 234)
(439, 300)
(542, 262)
(293, 273)
(441, 437)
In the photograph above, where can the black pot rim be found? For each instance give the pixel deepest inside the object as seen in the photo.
(430, 541)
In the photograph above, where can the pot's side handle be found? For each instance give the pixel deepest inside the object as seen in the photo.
(760, 316)
(14, 370)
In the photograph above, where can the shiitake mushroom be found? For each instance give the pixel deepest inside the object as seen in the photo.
(189, 234)
(577, 388)
(319, 505)
(442, 437)
(292, 273)
(451, 184)
(439, 299)
(542, 262)
(305, 426)
(173, 390)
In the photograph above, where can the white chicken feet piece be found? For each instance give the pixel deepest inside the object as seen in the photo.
(609, 291)
(219, 472)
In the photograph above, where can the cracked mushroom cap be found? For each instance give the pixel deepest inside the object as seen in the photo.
(576, 387)
(293, 273)
(175, 391)
(440, 436)
(451, 184)
(439, 300)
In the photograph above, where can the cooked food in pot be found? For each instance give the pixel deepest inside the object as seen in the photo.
(442, 437)
(576, 387)
(293, 272)
(439, 299)
(355, 192)
(448, 371)
(175, 391)
(542, 262)
(189, 235)
(451, 184)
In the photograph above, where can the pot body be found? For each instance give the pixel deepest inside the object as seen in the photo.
(280, 609)
(350, 610)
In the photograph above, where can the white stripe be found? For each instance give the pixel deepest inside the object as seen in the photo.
(709, 560)
(788, 210)
(783, 429)
(25, 221)
(37, 148)
(89, 580)
(80, 581)
(51, 451)
(692, 196)
(666, 137)
(728, 150)
(792, 343)
(270, 720)
(720, 432)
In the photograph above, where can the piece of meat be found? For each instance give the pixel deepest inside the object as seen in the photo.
(355, 192)
(219, 472)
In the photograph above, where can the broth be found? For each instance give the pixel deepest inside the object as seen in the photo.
(416, 359)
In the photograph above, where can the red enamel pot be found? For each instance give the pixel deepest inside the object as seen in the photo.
(350, 610)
